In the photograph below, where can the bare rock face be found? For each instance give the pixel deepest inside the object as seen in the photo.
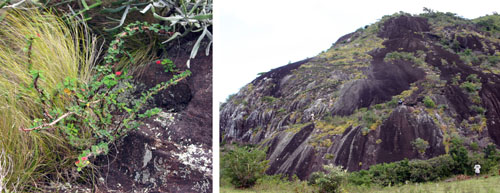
(341, 106)
(404, 126)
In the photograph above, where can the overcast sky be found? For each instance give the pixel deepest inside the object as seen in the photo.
(252, 36)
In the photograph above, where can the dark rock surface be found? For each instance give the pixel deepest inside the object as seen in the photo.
(171, 152)
(341, 106)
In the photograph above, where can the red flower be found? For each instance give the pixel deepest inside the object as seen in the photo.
(83, 90)
(118, 73)
(37, 34)
(84, 158)
(77, 162)
(158, 62)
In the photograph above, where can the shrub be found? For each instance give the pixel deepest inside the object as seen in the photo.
(329, 156)
(478, 109)
(490, 23)
(378, 106)
(494, 59)
(369, 118)
(428, 102)
(442, 165)
(86, 120)
(392, 56)
(490, 152)
(442, 106)
(332, 181)
(392, 103)
(268, 99)
(421, 171)
(388, 173)
(405, 171)
(474, 146)
(244, 166)
(470, 87)
(420, 145)
(486, 164)
(460, 156)
(473, 78)
(360, 178)
(60, 103)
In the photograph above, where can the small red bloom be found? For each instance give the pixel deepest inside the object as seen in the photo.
(83, 90)
(118, 73)
(77, 162)
(158, 62)
(84, 158)
(37, 34)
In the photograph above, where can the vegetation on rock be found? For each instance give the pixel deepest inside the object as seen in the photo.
(64, 104)
(407, 87)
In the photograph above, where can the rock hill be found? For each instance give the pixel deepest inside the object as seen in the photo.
(368, 98)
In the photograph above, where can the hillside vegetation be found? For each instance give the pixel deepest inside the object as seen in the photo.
(476, 185)
(410, 98)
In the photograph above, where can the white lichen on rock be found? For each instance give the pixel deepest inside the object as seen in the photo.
(165, 119)
(148, 155)
(202, 186)
(196, 157)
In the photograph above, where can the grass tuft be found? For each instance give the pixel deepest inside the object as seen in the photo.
(37, 43)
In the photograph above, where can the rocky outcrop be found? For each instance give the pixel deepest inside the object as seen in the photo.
(170, 152)
(341, 106)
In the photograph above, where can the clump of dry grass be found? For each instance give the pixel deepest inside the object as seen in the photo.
(33, 41)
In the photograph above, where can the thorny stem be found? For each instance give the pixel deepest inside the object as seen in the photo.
(161, 88)
(44, 103)
(49, 124)
(120, 126)
(35, 82)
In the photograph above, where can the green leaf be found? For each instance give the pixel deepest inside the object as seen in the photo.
(127, 109)
(85, 4)
(202, 17)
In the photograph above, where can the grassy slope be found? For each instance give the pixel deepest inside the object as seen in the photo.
(269, 185)
(475, 185)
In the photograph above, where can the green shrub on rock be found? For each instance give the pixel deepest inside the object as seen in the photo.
(429, 103)
(420, 145)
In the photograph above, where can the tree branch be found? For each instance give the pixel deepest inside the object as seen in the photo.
(49, 124)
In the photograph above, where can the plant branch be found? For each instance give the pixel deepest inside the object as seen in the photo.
(132, 116)
(48, 124)
(44, 103)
